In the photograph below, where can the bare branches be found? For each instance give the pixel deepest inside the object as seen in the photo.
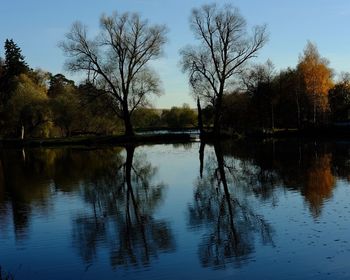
(116, 60)
(224, 49)
(225, 46)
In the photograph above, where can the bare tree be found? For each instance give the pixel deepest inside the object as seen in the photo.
(116, 61)
(224, 48)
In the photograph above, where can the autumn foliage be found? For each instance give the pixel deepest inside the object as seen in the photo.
(317, 78)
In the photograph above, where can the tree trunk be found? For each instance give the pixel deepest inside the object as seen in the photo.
(200, 120)
(298, 109)
(201, 158)
(314, 117)
(217, 115)
(22, 132)
(272, 118)
(221, 169)
(128, 164)
(129, 130)
(130, 150)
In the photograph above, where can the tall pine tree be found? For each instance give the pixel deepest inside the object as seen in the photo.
(13, 65)
(14, 60)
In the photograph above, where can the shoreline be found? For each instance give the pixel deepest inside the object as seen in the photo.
(179, 136)
(101, 140)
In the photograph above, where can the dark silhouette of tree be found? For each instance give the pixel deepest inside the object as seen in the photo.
(58, 85)
(2, 80)
(339, 99)
(292, 101)
(224, 48)
(258, 81)
(117, 60)
(12, 66)
(14, 60)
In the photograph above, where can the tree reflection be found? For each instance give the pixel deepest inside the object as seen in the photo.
(231, 221)
(307, 167)
(319, 183)
(309, 170)
(123, 202)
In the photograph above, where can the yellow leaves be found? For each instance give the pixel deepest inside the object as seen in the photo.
(316, 75)
(27, 92)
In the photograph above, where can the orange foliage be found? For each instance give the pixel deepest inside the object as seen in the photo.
(317, 77)
(319, 183)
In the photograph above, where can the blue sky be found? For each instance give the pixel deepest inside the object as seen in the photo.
(38, 25)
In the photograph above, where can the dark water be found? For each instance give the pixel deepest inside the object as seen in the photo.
(272, 210)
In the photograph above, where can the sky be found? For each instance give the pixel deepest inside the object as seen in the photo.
(37, 26)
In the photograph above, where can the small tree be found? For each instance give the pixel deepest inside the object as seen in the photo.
(27, 112)
(224, 48)
(117, 60)
(317, 78)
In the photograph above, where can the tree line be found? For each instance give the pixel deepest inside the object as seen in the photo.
(301, 97)
(36, 103)
(119, 82)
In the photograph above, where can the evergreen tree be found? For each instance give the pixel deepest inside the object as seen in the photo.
(13, 65)
(14, 60)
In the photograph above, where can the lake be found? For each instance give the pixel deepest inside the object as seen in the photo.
(243, 210)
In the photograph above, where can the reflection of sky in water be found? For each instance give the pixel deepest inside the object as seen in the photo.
(304, 245)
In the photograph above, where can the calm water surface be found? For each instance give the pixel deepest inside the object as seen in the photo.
(272, 210)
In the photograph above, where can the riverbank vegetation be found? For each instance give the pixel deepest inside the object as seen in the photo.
(39, 104)
(233, 93)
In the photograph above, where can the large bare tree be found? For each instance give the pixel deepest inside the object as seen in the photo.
(117, 59)
(224, 47)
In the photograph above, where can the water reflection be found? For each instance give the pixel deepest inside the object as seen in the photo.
(236, 170)
(307, 167)
(30, 178)
(230, 221)
(123, 202)
(246, 205)
(118, 184)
